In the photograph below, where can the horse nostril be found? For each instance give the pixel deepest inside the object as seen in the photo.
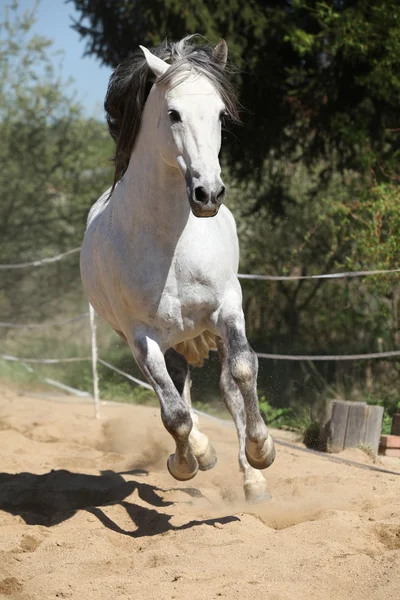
(201, 194)
(221, 193)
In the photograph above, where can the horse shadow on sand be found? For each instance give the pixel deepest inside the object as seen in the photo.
(56, 496)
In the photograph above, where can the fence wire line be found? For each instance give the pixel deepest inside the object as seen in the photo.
(296, 357)
(58, 384)
(45, 261)
(45, 324)
(337, 459)
(389, 354)
(50, 361)
(39, 262)
(324, 276)
(138, 381)
(45, 361)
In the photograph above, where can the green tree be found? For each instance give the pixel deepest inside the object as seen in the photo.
(54, 165)
(317, 79)
(343, 227)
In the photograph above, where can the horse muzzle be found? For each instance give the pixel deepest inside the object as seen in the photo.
(205, 202)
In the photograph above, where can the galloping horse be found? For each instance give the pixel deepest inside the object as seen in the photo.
(160, 272)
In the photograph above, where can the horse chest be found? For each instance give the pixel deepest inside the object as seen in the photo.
(175, 284)
(172, 294)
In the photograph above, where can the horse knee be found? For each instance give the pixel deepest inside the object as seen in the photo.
(244, 367)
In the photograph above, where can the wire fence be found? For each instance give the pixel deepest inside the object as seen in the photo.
(45, 324)
(40, 262)
(95, 360)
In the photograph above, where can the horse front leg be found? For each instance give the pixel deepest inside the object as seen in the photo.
(254, 484)
(175, 413)
(243, 367)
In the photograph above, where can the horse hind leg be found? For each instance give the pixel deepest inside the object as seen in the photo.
(254, 483)
(201, 446)
(179, 372)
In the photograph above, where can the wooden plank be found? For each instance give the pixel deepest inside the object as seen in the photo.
(373, 427)
(356, 424)
(395, 452)
(337, 426)
(390, 441)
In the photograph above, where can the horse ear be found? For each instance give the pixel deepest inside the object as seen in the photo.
(157, 65)
(220, 52)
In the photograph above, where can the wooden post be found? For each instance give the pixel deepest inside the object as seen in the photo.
(373, 428)
(353, 424)
(337, 426)
(356, 423)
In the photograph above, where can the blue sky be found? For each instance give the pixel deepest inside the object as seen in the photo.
(53, 20)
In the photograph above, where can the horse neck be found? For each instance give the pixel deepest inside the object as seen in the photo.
(153, 194)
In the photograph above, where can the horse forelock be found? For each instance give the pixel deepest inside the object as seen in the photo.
(132, 80)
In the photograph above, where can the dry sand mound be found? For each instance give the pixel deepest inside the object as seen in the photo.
(88, 511)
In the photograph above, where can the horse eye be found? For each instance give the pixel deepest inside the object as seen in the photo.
(223, 115)
(174, 116)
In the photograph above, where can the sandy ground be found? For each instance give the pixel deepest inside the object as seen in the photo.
(88, 511)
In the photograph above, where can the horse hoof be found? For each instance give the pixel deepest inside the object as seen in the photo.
(256, 492)
(208, 459)
(182, 471)
(260, 457)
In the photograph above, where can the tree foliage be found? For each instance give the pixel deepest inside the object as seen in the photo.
(316, 79)
(344, 227)
(54, 165)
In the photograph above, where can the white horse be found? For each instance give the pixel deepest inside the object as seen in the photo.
(163, 276)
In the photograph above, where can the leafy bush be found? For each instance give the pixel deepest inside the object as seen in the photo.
(279, 418)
